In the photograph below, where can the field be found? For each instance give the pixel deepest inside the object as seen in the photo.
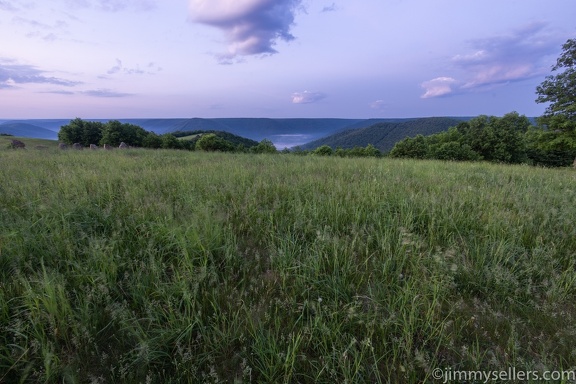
(145, 266)
(30, 143)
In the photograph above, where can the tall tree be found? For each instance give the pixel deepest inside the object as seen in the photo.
(560, 91)
(81, 131)
(115, 132)
(72, 132)
(212, 142)
(554, 143)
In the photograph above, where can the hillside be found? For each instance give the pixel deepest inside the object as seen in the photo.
(22, 129)
(230, 137)
(384, 135)
(31, 143)
(282, 132)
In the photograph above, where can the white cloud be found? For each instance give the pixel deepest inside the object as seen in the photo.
(307, 97)
(251, 26)
(439, 86)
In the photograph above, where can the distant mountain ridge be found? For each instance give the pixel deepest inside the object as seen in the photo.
(383, 135)
(23, 129)
(283, 132)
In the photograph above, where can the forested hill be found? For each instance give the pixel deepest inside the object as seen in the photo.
(236, 140)
(384, 135)
(285, 132)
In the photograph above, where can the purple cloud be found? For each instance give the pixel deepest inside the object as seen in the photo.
(151, 69)
(7, 6)
(106, 93)
(60, 92)
(330, 8)
(439, 86)
(12, 74)
(307, 97)
(39, 29)
(114, 5)
(378, 105)
(251, 26)
(518, 56)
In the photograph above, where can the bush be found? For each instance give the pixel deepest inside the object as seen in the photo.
(211, 142)
(265, 146)
(324, 150)
(453, 151)
(416, 148)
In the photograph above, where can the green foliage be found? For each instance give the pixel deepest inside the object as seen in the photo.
(384, 135)
(324, 150)
(184, 267)
(369, 151)
(115, 132)
(453, 151)
(152, 140)
(265, 146)
(298, 150)
(554, 144)
(239, 142)
(211, 142)
(560, 89)
(82, 132)
(169, 141)
(415, 148)
(491, 138)
(372, 151)
(551, 148)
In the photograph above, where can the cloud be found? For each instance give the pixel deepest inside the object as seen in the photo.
(439, 86)
(41, 30)
(251, 26)
(520, 55)
(114, 5)
(105, 93)
(513, 57)
(12, 74)
(60, 92)
(151, 68)
(307, 97)
(378, 105)
(330, 8)
(6, 6)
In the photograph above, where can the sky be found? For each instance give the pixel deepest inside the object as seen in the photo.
(277, 58)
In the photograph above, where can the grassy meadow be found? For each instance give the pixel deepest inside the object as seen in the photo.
(145, 266)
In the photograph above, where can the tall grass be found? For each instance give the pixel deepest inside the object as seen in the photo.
(167, 266)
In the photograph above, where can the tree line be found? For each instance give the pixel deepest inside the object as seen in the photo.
(512, 139)
(114, 132)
